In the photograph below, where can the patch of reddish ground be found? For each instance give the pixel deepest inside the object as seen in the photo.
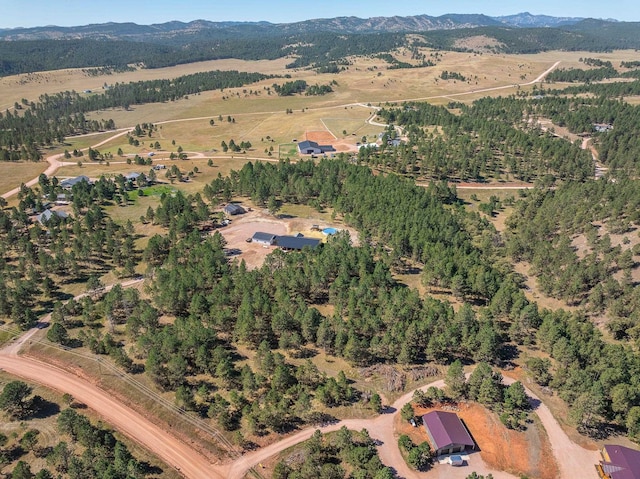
(326, 138)
(527, 452)
(322, 137)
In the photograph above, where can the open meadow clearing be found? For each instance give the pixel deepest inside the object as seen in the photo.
(347, 330)
(13, 174)
(258, 114)
(32, 85)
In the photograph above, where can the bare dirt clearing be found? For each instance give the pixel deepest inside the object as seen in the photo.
(327, 138)
(244, 226)
(500, 448)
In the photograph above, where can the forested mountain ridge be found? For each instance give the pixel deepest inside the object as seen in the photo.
(27, 50)
(352, 24)
(526, 19)
(315, 46)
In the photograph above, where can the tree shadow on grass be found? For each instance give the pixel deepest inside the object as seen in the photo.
(42, 409)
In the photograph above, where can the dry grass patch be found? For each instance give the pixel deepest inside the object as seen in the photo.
(534, 294)
(478, 43)
(13, 174)
(32, 85)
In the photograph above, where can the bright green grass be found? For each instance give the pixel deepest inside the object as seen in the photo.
(158, 190)
(288, 150)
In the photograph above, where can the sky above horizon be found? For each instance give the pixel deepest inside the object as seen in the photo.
(31, 13)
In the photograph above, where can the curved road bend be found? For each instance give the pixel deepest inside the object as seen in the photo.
(167, 447)
(573, 460)
(380, 429)
(55, 163)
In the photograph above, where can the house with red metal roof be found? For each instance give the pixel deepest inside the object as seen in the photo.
(619, 462)
(447, 434)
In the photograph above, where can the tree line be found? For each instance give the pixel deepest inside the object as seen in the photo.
(37, 257)
(54, 117)
(332, 455)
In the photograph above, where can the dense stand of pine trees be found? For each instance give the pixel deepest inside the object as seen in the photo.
(490, 139)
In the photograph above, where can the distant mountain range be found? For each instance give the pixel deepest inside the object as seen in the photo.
(170, 31)
(323, 44)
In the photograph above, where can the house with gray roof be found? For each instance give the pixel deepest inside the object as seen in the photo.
(312, 148)
(295, 243)
(71, 182)
(46, 215)
(619, 462)
(447, 434)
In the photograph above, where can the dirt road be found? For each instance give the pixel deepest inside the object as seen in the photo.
(13, 348)
(55, 163)
(574, 461)
(168, 448)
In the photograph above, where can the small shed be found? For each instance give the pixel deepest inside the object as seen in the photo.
(263, 238)
(62, 199)
(233, 209)
(447, 434)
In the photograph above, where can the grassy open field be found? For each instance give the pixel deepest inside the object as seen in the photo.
(343, 113)
(258, 115)
(32, 85)
(13, 174)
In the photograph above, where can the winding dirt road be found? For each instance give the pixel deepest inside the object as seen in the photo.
(573, 460)
(55, 163)
(168, 448)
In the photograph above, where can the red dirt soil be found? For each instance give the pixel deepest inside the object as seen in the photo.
(327, 138)
(503, 449)
(322, 137)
